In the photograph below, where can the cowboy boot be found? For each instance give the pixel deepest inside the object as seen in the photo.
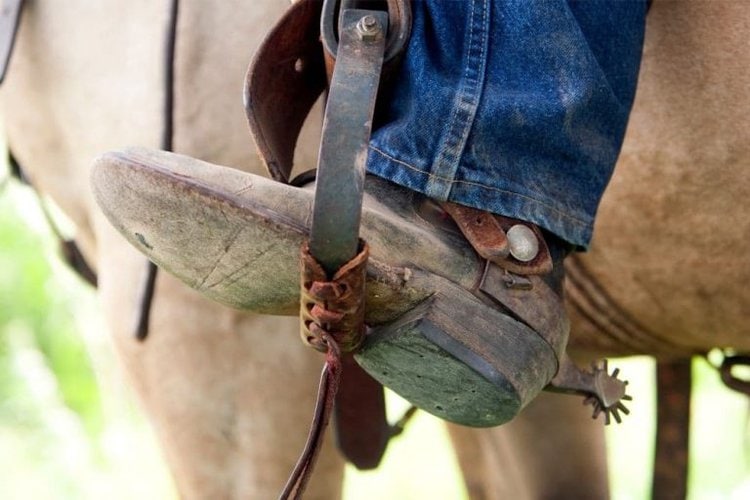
(455, 333)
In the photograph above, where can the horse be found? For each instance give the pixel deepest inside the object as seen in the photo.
(209, 377)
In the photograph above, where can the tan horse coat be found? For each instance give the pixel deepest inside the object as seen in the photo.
(671, 232)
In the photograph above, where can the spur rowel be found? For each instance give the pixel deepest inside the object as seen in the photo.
(446, 332)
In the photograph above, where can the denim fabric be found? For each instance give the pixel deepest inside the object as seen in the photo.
(517, 107)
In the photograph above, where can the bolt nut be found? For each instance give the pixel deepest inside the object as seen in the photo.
(522, 243)
(368, 28)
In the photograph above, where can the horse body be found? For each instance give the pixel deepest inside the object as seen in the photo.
(672, 226)
(229, 393)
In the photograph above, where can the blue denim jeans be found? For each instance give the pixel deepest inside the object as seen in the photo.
(517, 107)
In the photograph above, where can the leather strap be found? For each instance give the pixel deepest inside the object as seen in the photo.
(327, 388)
(487, 234)
(673, 391)
(148, 285)
(350, 107)
(334, 306)
(71, 254)
(730, 379)
(362, 431)
(288, 74)
(481, 229)
(285, 78)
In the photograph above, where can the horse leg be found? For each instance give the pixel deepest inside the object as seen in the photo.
(550, 450)
(87, 77)
(261, 380)
(230, 394)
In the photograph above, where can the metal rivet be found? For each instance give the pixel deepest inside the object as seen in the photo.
(522, 243)
(368, 28)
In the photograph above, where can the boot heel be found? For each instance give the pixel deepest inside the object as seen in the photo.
(460, 359)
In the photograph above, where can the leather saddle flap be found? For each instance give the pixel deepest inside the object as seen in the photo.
(285, 79)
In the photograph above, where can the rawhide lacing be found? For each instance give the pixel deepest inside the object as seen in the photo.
(335, 307)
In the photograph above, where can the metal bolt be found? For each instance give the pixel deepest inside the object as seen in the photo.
(522, 243)
(368, 28)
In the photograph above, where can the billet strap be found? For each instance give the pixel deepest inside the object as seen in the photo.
(10, 18)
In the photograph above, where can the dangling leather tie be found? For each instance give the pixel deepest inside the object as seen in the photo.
(331, 321)
(327, 388)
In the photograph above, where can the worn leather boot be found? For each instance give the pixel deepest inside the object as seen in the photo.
(470, 338)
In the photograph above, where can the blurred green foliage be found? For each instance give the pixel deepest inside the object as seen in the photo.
(64, 432)
(37, 310)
